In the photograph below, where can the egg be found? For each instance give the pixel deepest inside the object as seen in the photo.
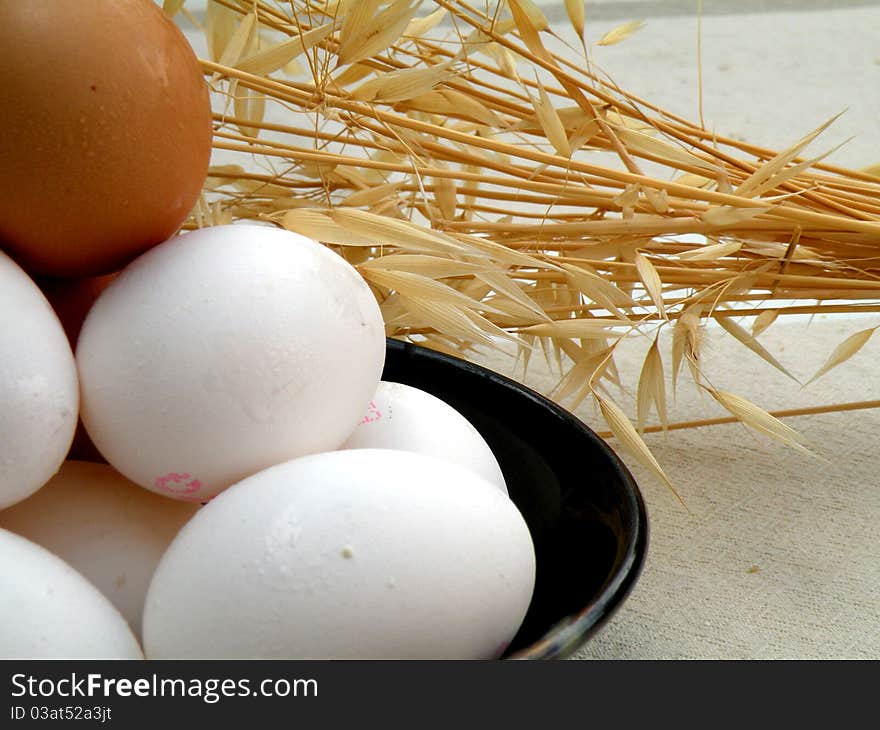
(403, 417)
(49, 611)
(72, 299)
(39, 393)
(225, 351)
(107, 528)
(106, 137)
(363, 554)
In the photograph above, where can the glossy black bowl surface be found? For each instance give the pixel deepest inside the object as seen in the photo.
(583, 508)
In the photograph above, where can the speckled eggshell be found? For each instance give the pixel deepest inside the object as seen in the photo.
(104, 526)
(403, 417)
(49, 611)
(106, 132)
(365, 553)
(225, 351)
(39, 397)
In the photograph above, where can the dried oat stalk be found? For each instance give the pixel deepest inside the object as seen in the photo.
(490, 189)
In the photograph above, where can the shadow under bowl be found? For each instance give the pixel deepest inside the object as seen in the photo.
(586, 515)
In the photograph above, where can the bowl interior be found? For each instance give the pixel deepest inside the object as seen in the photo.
(582, 506)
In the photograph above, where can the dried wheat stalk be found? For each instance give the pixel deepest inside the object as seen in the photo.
(488, 188)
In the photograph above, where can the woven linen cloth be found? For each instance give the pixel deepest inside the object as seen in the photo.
(777, 555)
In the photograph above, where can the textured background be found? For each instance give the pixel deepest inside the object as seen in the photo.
(778, 554)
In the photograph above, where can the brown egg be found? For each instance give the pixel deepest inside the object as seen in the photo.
(105, 135)
(82, 448)
(72, 299)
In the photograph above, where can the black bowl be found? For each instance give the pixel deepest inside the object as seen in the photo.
(583, 508)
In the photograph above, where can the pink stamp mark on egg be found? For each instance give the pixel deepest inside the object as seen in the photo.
(181, 485)
(373, 414)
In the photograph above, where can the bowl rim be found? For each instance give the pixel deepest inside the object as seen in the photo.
(569, 634)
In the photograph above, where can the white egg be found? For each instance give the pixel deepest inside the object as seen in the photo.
(350, 554)
(409, 419)
(39, 394)
(49, 611)
(224, 351)
(104, 526)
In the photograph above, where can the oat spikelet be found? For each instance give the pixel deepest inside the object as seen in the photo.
(651, 281)
(763, 321)
(574, 328)
(844, 351)
(658, 200)
(760, 420)
(383, 230)
(503, 286)
(533, 12)
(550, 122)
(686, 342)
(711, 252)
(620, 33)
(402, 85)
(249, 106)
(599, 290)
(629, 438)
(724, 216)
(318, 225)
(371, 195)
(239, 41)
(445, 195)
(577, 16)
(775, 165)
(465, 325)
(365, 33)
(644, 144)
(271, 59)
(697, 181)
(220, 25)
(741, 334)
(527, 28)
(417, 27)
(410, 284)
(172, 7)
(588, 367)
(652, 388)
(434, 267)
